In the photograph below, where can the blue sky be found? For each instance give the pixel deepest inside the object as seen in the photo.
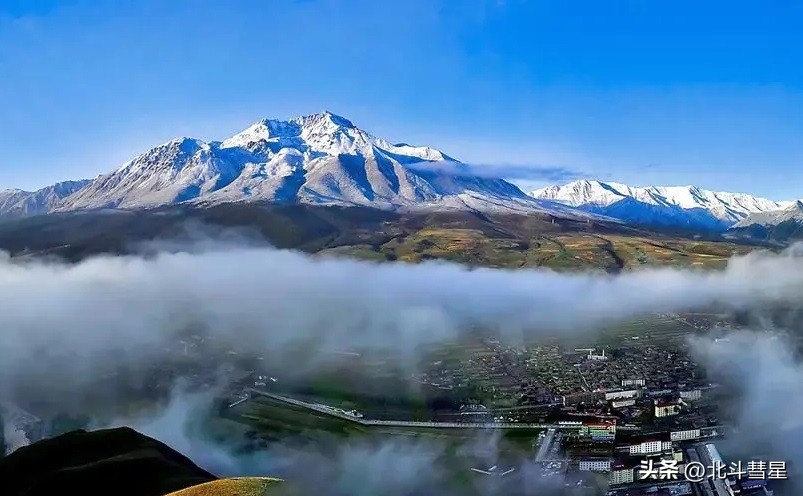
(643, 92)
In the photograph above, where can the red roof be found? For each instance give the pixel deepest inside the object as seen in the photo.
(600, 423)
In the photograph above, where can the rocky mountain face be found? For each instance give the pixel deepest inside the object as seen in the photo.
(19, 203)
(319, 159)
(782, 225)
(324, 159)
(791, 213)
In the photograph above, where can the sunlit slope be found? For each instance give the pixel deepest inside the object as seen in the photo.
(607, 252)
(472, 238)
(239, 486)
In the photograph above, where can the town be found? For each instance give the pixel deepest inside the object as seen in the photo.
(635, 414)
(629, 414)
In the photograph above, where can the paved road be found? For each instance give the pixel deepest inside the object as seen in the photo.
(401, 423)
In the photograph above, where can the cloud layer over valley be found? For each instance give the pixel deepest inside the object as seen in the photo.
(63, 326)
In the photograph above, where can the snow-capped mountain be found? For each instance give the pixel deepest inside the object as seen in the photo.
(19, 203)
(792, 213)
(325, 159)
(321, 158)
(778, 225)
(681, 206)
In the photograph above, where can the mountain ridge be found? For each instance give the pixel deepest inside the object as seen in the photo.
(18, 202)
(660, 205)
(324, 159)
(316, 159)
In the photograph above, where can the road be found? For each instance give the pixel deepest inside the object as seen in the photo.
(327, 410)
(546, 445)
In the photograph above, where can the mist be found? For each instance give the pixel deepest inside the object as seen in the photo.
(549, 174)
(62, 326)
(258, 297)
(764, 371)
(354, 466)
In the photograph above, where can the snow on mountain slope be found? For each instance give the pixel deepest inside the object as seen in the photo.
(179, 170)
(325, 159)
(323, 134)
(320, 159)
(687, 206)
(792, 213)
(18, 203)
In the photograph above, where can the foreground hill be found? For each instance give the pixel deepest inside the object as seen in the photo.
(114, 462)
(105, 462)
(473, 238)
(240, 486)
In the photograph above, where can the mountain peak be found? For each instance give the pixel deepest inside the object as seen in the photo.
(324, 134)
(324, 118)
(317, 132)
(682, 205)
(791, 212)
(317, 158)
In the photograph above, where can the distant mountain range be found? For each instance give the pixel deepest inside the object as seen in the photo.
(671, 206)
(18, 203)
(778, 225)
(324, 159)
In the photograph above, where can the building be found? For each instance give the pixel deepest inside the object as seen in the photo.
(634, 382)
(666, 408)
(592, 356)
(750, 484)
(650, 447)
(623, 403)
(595, 465)
(601, 430)
(622, 473)
(692, 395)
(622, 394)
(581, 397)
(721, 487)
(686, 435)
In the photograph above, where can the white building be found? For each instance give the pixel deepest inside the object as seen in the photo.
(621, 395)
(650, 447)
(694, 394)
(592, 356)
(634, 382)
(595, 465)
(623, 403)
(621, 475)
(665, 409)
(685, 435)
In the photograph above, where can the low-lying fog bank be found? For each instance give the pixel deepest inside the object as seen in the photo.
(63, 326)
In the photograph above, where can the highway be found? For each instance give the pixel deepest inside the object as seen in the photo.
(335, 412)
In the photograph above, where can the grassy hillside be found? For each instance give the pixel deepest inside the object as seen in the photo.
(467, 237)
(240, 486)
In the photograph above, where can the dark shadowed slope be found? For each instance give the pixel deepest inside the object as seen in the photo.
(119, 462)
